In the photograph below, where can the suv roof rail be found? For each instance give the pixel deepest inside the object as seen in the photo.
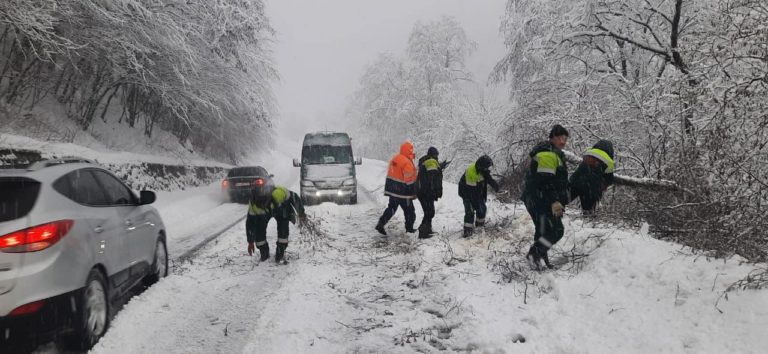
(58, 161)
(327, 132)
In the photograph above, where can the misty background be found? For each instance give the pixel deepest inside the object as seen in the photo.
(680, 87)
(322, 48)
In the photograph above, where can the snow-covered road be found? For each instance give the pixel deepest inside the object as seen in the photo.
(350, 290)
(191, 215)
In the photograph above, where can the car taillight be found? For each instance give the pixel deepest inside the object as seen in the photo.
(31, 307)
(35, 238)
(225, 184)
(258, 182)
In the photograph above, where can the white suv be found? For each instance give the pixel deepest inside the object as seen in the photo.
(73, 240)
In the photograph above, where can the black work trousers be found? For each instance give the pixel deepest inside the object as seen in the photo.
(428, 206)
(408, 209)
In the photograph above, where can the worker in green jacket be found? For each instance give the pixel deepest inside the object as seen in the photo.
(546, 194)
(473, 190)
(269, 201)
(593, 176)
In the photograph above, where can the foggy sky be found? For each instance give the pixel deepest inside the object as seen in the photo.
(323, 46)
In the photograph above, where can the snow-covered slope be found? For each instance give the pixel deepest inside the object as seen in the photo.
(350, 290)
(42, 128)
(103, 155)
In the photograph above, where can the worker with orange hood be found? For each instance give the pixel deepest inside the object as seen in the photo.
(401, 188)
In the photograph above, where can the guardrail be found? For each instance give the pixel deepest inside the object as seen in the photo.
(138, 175)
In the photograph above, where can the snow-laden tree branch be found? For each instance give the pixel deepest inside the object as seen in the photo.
(197, 68)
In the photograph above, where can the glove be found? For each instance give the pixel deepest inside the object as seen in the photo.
(302, 220)
(557, 209)
(251, 248)
(439, 195)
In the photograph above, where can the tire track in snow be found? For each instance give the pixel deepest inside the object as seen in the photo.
(362, 292)
(210, 305)
(186, 255)
(190, 232)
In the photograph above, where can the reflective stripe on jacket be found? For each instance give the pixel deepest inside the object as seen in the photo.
(430, 179)
(473, 184)
(547, 162)
(604, 157)
(284, 204)
(547, 178)
(472, 176)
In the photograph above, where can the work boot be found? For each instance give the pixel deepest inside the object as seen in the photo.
(429, 229)
(467, 231)
(280, 253)
(409, 229)
(533, 257)
(537, 253)
(424, 232)
(264, 250)
(380, 229)
(545, 257)
(479, 223)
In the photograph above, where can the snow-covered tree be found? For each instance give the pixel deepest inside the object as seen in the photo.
(678, 85)
(200, 69)
(424, 96)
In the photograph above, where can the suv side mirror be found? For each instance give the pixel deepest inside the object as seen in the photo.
(147, 197)
(358, 160)
(296, 163)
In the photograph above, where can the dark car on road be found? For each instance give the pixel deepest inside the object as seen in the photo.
(240, 180)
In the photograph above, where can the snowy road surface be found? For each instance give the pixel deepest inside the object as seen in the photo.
(191, 215)
(350, 290)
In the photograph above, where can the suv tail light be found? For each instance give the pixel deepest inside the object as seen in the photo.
(35, 238)
(31, 307)
(258, 182)
(225, 184)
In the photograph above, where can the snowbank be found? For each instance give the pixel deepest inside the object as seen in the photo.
(140, 172)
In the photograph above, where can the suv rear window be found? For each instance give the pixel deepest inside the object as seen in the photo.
(17, 197)
(247, 172)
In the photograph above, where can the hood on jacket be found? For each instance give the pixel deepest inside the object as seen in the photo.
(484, 163)
(605, 145)
(407, 150)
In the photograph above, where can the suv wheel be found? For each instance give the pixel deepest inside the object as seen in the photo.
(159, 265)
(92, 320)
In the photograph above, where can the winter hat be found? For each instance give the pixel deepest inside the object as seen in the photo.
(261, 194)
(557, 130)
(605, 145)
(432, 151)
(484, 163)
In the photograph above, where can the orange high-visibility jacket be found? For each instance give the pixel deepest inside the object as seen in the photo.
(402, 173)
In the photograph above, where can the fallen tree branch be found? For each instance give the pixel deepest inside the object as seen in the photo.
(637, 182)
